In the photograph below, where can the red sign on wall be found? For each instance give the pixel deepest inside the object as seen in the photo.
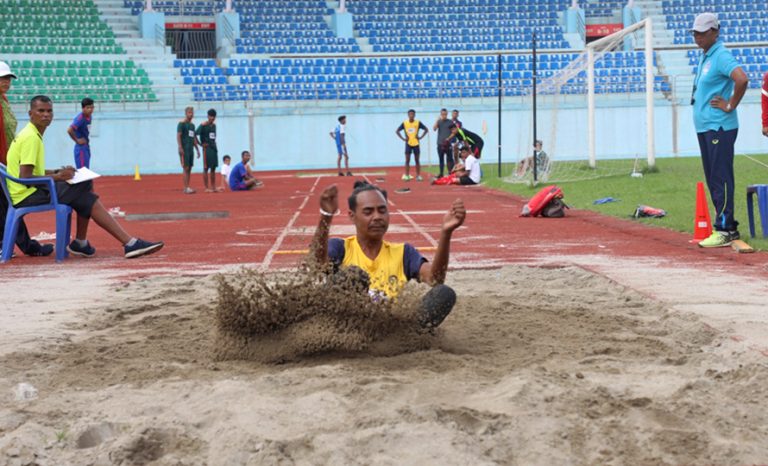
(190, 25)
(602, 30)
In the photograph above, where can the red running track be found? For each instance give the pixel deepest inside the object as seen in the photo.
(272, 226)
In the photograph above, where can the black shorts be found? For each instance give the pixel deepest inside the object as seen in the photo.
(465, 180)
(415, 150)
(79, 196)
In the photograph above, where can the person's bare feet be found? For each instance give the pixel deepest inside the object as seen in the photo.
(209, 190)
(219, 189)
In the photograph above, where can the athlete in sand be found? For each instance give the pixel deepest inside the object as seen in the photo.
(388, 265)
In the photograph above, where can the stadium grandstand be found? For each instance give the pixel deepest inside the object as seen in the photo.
(251, 54)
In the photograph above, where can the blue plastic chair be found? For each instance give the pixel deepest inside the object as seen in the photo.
(63, 216)
(761, 190)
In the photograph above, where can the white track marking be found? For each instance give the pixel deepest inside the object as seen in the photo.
(418, 228)
(279, 241)
(755, 160)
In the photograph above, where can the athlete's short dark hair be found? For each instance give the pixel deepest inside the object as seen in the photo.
(359, 187)
(341, 118)
(86, 102)
(212, 112)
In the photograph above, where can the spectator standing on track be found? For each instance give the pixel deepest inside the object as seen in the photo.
(386, 266)
(207, 134)
(444, 152)
(8, 125)
(26, 159)
(411, 127)
(241, 178)
(765, 104)
(339, 135)
(80, 131)
(718, 87)
(226, 168)
(187, 142)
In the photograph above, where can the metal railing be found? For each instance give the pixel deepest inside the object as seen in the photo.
(159, 35)
(192, 44)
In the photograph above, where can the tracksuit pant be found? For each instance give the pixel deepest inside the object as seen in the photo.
(717, 149)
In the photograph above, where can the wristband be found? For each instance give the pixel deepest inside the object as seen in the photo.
(328, 214)
(728, 107)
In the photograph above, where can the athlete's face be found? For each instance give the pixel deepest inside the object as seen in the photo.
(88, 110)
(371, 216)
(246, 158)
(211, 119)
(411, 116)
(189, 114)
(443, 114)
(455, 115)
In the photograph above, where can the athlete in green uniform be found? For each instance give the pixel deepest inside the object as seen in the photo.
(185, 138)
(207, 134)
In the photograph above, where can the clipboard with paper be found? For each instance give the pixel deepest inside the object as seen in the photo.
(83, 174)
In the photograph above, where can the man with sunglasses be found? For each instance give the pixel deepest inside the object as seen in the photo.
(718, 87)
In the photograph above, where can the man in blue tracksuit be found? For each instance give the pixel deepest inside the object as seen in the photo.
(718, 87)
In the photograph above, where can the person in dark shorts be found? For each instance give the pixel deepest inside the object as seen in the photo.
(79, 131)
(444, 152)
(386, 266)
(187, 142)
(26, 159)
(207, 134)
(8, 125)
(241, 178)
(411, 127)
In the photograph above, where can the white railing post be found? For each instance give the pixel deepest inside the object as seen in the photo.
(591, 142)
(228, 8)
(342, 6)
(148, 5)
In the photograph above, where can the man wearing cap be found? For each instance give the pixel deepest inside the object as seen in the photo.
(718, 87)
(8, 124)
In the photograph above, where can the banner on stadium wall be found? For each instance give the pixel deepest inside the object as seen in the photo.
(602, 30)
(190, 25)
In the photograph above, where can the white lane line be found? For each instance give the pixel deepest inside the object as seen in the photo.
(418, 228)
(279, 241)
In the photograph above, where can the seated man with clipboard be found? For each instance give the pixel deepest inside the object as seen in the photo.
(26, 159)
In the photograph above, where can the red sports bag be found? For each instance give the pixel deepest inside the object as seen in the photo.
(542, 199)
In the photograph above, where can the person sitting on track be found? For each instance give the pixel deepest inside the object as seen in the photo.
(465, 173)
(241, 178)
(388, 265)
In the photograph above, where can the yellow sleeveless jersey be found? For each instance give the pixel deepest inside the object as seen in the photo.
(386, 272)
(412, 131)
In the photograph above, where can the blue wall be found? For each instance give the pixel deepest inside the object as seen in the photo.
(297, 138)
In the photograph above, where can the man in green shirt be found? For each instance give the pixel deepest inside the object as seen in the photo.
(207, 134)
(26, 159)
(186, 140)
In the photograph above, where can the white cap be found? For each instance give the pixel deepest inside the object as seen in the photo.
(5, 70)
(705, 21)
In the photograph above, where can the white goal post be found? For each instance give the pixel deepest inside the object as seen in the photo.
(647, 24)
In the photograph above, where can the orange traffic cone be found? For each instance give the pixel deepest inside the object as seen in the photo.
(702, 227)
(136, 175)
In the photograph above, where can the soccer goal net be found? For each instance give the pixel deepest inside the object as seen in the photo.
(592, 111)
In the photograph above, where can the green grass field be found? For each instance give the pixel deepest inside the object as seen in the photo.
(672, 188)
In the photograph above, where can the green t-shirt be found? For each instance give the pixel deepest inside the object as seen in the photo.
(26, 149)
(187, 131)
(207, 135)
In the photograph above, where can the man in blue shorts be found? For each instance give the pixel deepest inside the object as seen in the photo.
(339, 136)
(79, 131)
(718, 87)
(386, 266)
(241, 178)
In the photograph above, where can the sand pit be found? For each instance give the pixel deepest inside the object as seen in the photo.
(534, 366)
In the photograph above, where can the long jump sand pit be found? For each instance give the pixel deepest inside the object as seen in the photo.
(534, 366)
